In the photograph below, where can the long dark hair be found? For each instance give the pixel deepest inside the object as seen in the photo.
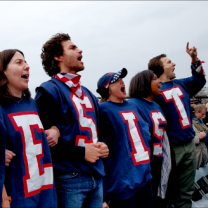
(5, 93)
(140, 85)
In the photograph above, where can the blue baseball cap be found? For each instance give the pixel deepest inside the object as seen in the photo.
(107, 79)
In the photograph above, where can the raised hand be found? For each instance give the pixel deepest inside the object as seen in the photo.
(192, 52)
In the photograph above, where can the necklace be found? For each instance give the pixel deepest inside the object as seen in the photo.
(17, 99)
(147, 100)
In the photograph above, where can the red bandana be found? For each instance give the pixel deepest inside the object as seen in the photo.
(72, 83)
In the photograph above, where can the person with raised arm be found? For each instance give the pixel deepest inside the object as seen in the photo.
(175, 102)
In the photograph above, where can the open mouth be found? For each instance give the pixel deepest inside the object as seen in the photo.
(79, 58)
(25, 76)
(123, 89)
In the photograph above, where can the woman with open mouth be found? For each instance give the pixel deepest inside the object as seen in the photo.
(29, 173)
(127, 181)
(144, 87)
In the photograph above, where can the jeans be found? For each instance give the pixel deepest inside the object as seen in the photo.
(77, 190)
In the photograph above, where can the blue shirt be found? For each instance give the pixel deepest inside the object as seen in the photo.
(127, 136)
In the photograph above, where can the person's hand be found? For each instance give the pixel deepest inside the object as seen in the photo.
(92, 152)
(5, 204)
(8, 156)
(105, 205)
(192, 52)
(52, 136)
(201, 135)
(104, 149)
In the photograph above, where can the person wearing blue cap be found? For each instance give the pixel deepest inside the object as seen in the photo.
(128, 173)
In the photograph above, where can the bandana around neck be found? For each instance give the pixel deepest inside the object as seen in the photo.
(72, 81)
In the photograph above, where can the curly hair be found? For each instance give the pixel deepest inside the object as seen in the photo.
(5, 93)
(140, 84)
(155, 65)
(51, 49)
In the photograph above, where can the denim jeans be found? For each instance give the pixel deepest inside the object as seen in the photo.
(77, 190)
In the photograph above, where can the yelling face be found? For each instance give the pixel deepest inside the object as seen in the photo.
(155, 86)
(17, 73)
(168, 67)
(117, 91)
(70, 60)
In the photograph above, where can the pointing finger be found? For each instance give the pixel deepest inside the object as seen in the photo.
(187, 46)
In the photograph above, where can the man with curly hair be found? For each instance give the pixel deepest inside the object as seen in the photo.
(72, 110)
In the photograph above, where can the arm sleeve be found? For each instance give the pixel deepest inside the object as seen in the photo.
(196, 82)
(49, 115)
(106, 135)
(2, 151)
(206, 140)
(107, 132)
(47, 106)
(196, 138)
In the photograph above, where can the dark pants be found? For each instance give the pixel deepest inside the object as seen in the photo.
(172, 189)
(186, 168)
(141, 199)
(173, 185)
(156, 177)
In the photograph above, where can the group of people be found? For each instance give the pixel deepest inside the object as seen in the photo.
(67, 149)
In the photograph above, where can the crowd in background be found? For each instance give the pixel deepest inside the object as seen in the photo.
(200, 126)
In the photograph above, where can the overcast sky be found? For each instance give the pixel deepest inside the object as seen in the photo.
(112, 34)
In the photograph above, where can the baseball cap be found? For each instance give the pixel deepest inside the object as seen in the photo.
(107, 79)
